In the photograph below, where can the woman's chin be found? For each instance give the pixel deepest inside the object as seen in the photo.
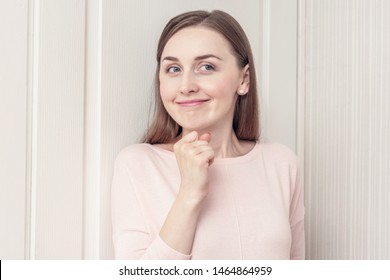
(195, 128)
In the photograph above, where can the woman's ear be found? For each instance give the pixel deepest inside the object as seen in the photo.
(245, 81)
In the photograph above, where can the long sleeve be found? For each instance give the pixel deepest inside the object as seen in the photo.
(131, 237)
(297, 212)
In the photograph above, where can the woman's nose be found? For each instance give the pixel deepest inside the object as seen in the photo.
(188, 83)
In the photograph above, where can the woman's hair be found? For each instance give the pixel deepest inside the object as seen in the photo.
(163, 128)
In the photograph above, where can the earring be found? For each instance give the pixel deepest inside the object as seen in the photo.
(241, 92)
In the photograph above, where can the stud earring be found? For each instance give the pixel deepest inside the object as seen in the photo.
(241, 92)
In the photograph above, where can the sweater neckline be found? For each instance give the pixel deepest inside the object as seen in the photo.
(230, 160)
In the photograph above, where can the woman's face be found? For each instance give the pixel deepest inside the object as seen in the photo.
(199, 79)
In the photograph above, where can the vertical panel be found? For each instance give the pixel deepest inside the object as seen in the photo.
(13, 124)
(92, 133)
(347, 129)
(59, 112)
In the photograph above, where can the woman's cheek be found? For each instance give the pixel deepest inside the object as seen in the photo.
(216, 90)
(166, 92)
(221, 85)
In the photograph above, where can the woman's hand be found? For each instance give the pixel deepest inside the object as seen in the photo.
(194, 156)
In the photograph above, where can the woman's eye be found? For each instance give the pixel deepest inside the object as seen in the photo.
(173, 69)
(207, 67)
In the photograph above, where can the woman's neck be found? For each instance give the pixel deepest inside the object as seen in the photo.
(225, 143)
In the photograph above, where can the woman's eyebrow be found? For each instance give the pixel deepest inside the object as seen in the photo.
(201, 57)
(207, 56)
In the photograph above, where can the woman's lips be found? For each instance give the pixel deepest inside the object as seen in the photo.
(192, 103)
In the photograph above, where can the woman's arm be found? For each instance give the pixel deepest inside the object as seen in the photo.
(297, 213)
(131, 236)
(193, 155)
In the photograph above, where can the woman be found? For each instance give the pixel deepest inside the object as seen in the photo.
(202, 186)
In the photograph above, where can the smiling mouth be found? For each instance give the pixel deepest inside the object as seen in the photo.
(192, 103)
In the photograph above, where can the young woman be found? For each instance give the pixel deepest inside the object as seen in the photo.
(202, 186)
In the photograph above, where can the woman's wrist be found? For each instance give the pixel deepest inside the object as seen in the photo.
(191, 198)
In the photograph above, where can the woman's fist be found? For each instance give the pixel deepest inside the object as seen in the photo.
(194, 156)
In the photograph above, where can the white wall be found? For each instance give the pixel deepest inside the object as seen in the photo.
(279, 71)
(13, 127)
(347, 129)
(42, 125)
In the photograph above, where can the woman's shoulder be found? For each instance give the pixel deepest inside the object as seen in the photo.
(134, 149)
(134, 152)
(278, 152)
(141, 153)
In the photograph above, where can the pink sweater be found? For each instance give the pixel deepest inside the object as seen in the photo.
(254, 209)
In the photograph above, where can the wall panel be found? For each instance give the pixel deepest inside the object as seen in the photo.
(347, 129)
(57, 187)
(13, 127)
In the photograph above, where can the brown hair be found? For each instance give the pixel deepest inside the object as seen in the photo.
(163, 128)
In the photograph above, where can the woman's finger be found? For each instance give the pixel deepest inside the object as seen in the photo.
(205, 137)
